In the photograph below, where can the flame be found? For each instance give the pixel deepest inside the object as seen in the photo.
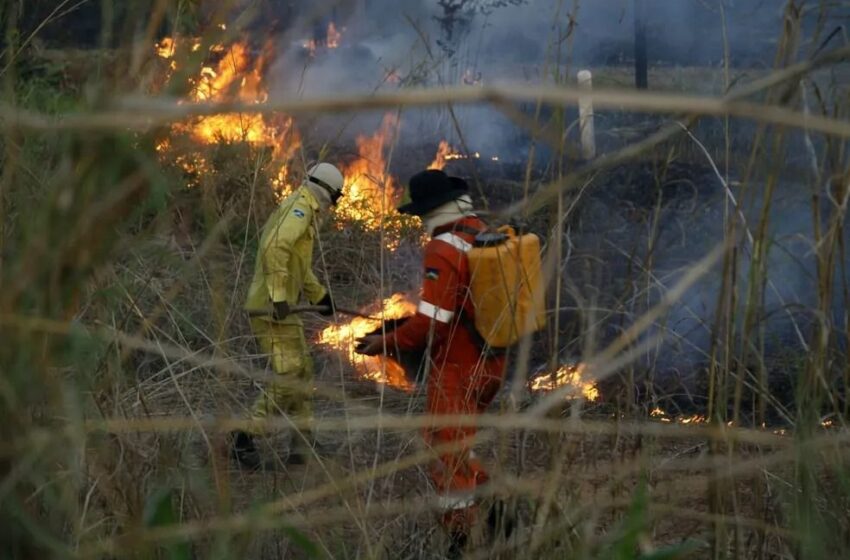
(310, 46)
(370, 192)
(342, 337)
(471, 77)
(694, 419)
(451, 154)
(568, 375)
(237, 76)
(662, 415)
(195, 166)
(443, 150)
(235, 66)
(333, 36)
(166, 48)
(392, 76)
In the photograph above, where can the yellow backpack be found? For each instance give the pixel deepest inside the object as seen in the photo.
(506, 286)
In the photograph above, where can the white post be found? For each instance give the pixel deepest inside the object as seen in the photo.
(585, 116)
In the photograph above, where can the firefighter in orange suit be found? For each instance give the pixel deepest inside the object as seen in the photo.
(462, 378)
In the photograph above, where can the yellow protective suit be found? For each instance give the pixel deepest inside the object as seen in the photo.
(282, 273)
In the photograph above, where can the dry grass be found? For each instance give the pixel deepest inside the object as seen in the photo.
(126, 359)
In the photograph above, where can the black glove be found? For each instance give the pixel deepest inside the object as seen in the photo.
(281, 310)
(370, 345)
(326, 302)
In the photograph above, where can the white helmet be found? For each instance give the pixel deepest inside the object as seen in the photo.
(328, 177)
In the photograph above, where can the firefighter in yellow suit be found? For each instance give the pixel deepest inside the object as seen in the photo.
(282, 273)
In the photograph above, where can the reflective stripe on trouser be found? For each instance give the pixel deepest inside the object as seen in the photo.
(460, 389)
(289, 356)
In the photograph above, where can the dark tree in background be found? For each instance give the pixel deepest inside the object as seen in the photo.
(112, 23)
(82, 24)
(456, 19)
(641, 62)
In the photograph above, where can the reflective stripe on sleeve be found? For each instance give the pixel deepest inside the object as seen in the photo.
(455, 241)
(433, 312)
(455, 501)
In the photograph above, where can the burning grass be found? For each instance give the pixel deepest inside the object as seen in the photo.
(331, 40)
(568, 375)
(371, 193)
(238, 75)
(342, 338)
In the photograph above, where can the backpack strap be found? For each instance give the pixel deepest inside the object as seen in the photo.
(485, 350)
(449, 236)
(459, 228)
(462, 228)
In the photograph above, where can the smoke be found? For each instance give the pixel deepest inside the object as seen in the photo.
(633, 267)
(387, 45)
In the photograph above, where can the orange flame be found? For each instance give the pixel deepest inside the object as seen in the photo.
(572, 375)
(662, 416)
(310, 46)
(333, 36)
(452, 155)
(342, 337)
(237, 76)
(195, 165)
(471, 77)
(166, 48)
(371, 193)
(443, 150)
(392, 76)
(693, 419)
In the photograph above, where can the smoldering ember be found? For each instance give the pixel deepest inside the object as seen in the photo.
(425, 279)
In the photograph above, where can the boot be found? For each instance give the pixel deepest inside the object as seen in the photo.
(244, 451)
(296, 457)
(457, 543)
(500, 520)
(300, 451)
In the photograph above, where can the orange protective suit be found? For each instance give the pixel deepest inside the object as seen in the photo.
(461, 379)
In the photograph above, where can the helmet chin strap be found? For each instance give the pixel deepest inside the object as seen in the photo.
(321, 194)
(332, 193)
